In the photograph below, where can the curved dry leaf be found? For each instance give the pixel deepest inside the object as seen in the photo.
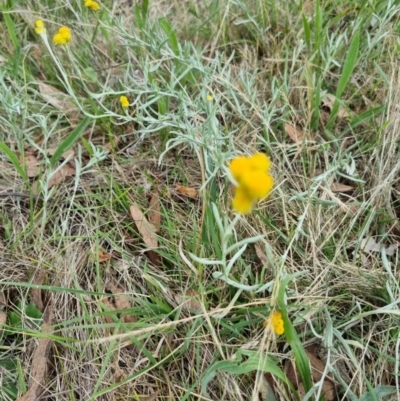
(317, 369)
(56, 178)
(370, 245)
(58, 99)
(32, 165)
(338, 187)
(69, 154)
(36, 293)
(294, 134)
(3, 319)
(189, 300)
(104, 256)
(261, 254)
(154, 211)
(329, 100)
(39, 359)
(3, 301)
(146, 229)
(118, 300)
(186, 191)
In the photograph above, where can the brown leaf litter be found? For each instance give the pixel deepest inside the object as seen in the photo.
(189, 300)
(294, 133)
(40, 358)
(117, 300)
(67, 155)
(338, 187)
(261, 254)
(59, 100)
(3, 315)
(317, 369)
(146, 229)
(147, 232)
(154, 211)
(187, 191)
(32, 164)
(57, 178)
(37, 293)
(104, 256)
(329, 100)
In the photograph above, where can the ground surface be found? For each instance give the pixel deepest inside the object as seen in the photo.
(121, 276)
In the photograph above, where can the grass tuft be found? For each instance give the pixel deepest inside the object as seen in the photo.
(315, 85)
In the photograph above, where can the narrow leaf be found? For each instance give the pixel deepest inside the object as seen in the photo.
(14, 160)
(255, 361)
(69, 141)
(300, 356)
(349, 64)
(166, 26)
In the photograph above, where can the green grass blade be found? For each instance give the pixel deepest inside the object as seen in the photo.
(10, 28)
(69, 141)
(300, 356)
(167, 27)
(348, 68)
(349, 64)
(318, 27)
(145, 8)
(14, 160)
(307, 32)
(255, 361)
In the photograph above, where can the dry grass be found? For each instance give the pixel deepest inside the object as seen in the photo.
(132, 324)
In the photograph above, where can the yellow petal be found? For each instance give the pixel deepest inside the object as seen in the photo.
(59, 39)
(260, 161)
(124, 101)
(66, 32)
(238, 166)
(276, 321)
(257, 183)
(39, 26)
(242, 203)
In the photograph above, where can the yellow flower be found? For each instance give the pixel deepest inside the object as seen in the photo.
(260, 161)
(63, 36)
(276, 322)
(257, 183)
(209, 98)
(66, 32)
(239, 165)
(59, 39)
(242, 203)
(254, 181)
(39, 27)
(124, 102)
(93, 5)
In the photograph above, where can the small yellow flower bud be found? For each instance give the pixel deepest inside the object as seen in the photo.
(124, 102)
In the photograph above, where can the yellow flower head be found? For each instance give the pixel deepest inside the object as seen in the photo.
(66, 32)
(257, 183)
(59, 39)
(260, 161)
(63, 36)
(93, 5)
(276, 322)
(209, 98)
(124, 102)
(254, 181)
(39, 27)
(239, 165)
(242, 203)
